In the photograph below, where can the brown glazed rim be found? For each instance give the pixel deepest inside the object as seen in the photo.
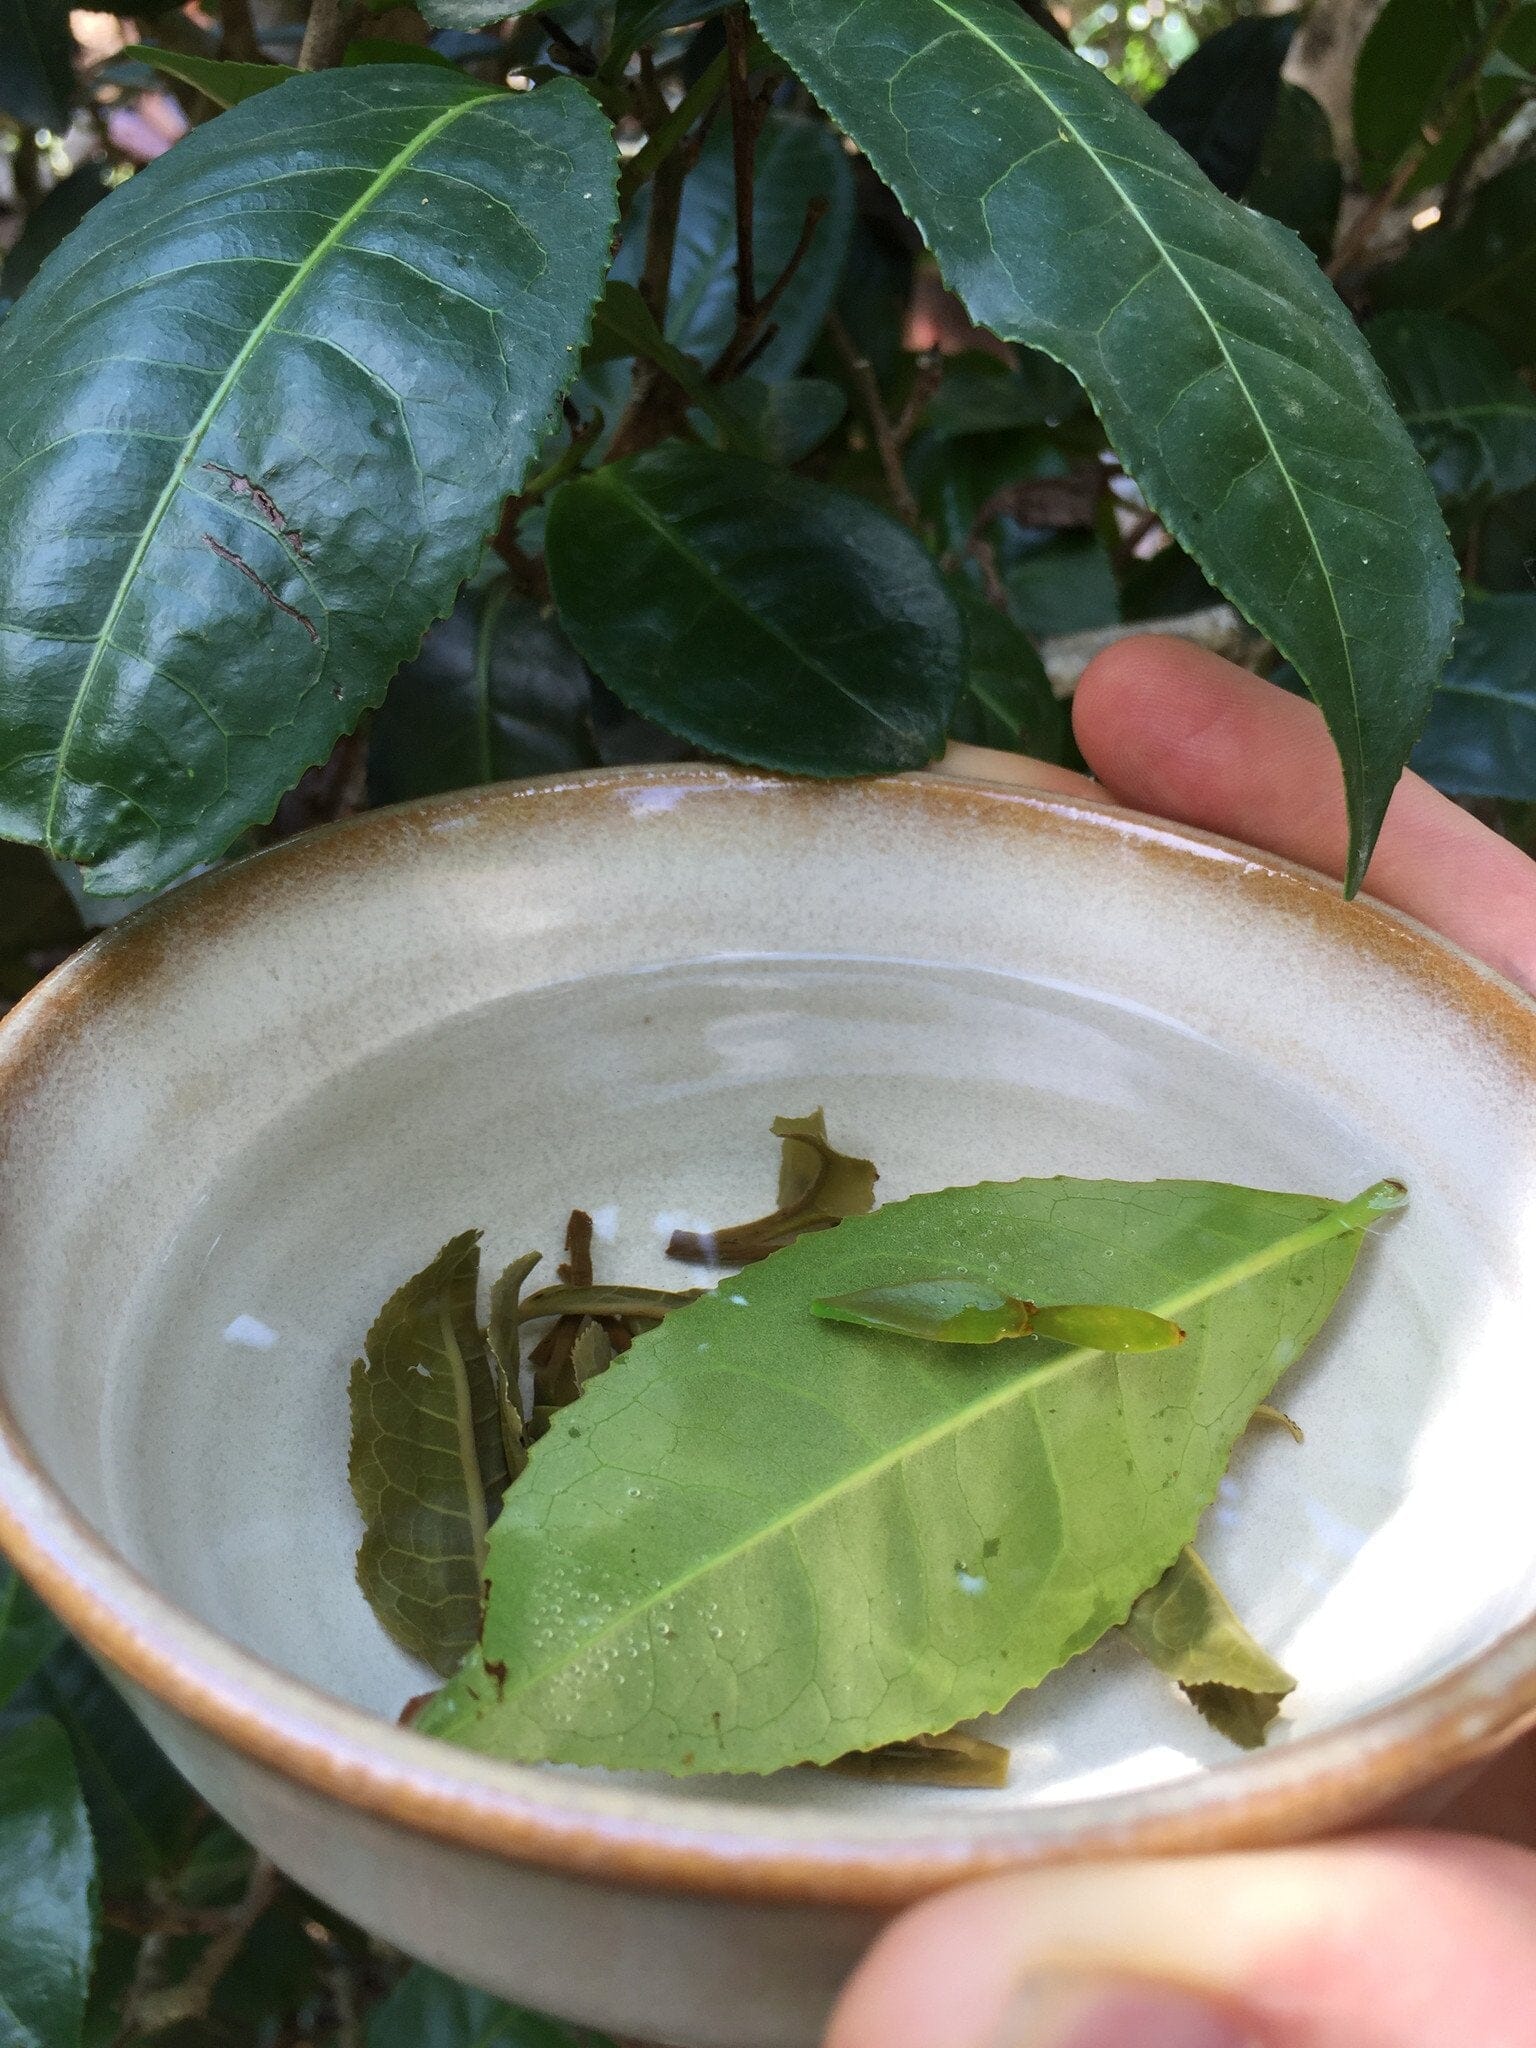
(649, 1839)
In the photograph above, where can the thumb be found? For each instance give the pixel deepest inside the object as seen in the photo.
(1395, 1941)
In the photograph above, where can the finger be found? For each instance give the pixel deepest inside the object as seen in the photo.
(1389, 1942)
(988, 764)
(1177, 731)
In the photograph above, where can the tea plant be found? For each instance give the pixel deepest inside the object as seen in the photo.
(479, 397)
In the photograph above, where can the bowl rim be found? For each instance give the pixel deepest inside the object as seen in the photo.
(646, 1839)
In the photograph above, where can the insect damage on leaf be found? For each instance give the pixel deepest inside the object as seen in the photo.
(957, 1311)
(818, 1186)
(761, 1548)
(429, 1461)
(1186, 1627)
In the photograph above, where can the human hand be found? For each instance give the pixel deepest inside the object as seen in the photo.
(1394, 1939)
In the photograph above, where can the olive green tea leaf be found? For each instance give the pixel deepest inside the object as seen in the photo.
(961, 1311)
(47, 1889)
(1481, 735)
(1471, 417)
(224, 82)
(1186, 1627)
(1228, 375)
(775, 1539)
(818, 1186)
(216, 548)
(1480, 267)
(37, 69)
(638, 1304)
(428, 1466)
(501, 1342)
(1007, 700)
(952, 1759)
(758, 614)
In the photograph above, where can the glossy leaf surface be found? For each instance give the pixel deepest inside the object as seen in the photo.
(1229, 376)
(1186, 1627)
(47, 1890)
(1481, 735)
(798, 161)
(775, 1539)
(256, 420)
(1472, 418)
(428, 1464)
(762, 616)
(1481, 267)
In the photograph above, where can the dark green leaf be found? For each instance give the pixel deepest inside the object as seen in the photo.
(28, 1632)
(980, 395)
(761, 616)
(226, 84)
(1007, 700)
(1185, 1626)
(385, 50)
(1471, 418)
(47, 1890)
(1163, 586)
(54, 217)
(1227, 373)
(37, 63)
(428, 1466)
(1410, 68)
(1482, 267)
(1219, 102)
(799, 161)
(929, 1536)
(501, 1343)
(642, 21)
(625, 325)
(1299, 181)
(625, 1304)
(1066, 585)
(779, 423)
(140, 1807)
(496, 692)
(952, 1759)
(1506, 554)
(428, 2010)
(818, 1186)
(1481, 735)
(251, 450)
(38, 924)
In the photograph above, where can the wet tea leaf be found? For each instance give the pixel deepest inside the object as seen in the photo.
(506, 1360)
(957, 1311)
(428, 1464)
(818, 1186)
(952, 1759)
(774, 1540)
(1186, 1627)
(1099, 1326)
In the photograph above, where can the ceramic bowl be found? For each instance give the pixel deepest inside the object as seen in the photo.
(233, 1124)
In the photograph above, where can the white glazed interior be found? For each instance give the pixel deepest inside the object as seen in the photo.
(528, 1000)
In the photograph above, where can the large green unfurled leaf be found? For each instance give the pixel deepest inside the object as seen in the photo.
(1481, 735)
(36, 62)
(1007, 700)
(1473, 420)
(429, 2010)
(1219, 102)
(1412, 64)
(47, 1890)
(257, 417)
(1299, 180)
(765, 1538)
(1228, 375)
(761, 616)
(496, 691)
(428, 1464)
(798, 161)
(1482, 267)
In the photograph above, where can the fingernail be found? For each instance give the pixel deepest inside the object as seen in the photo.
(1072, 2011)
